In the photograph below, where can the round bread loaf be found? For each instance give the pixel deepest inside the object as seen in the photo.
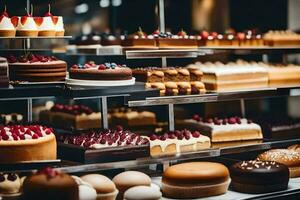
(195, 180)
(259, 176)
(142, 193)
(103, 185)
(290, 158)
(130, 179)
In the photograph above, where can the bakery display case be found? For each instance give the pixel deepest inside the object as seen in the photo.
(156, 114)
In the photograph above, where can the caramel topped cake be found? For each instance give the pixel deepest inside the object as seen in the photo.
(71, 116)
(36, 68)
(227, 129)
(26, 143)
(149, 74)
(177, 142)
(107, 71)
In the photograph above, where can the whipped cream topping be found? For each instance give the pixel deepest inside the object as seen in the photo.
(18, 132)
(47, 24)
(6, 24)
(29, 25)
(60, 24)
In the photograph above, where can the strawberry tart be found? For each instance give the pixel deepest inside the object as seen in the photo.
(26, 143)
(176, 142)
(46, 24)
(7, 25)
(27, 26)
(36, 68)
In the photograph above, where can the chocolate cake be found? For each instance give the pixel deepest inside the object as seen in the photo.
(83, 40)
(139, 40)
(3, 72)
(259, 176)
(107, 71)
(36, 68)
(181, 40)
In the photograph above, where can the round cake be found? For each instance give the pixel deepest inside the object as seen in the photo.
(195, 180)
(106, 72)
(26, 143)
(290, 158)
(130, 179)
(259, 176)
(3, 72)
(49, 184)
(105, 188)
(36, 68)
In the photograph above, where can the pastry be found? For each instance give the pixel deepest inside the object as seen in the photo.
(233, 76)
(130, 118)
(104, 139)
(227, 129)
(148, 75)
(142, 193)
(195, 180)
(12, 118)
(107, 71)
(259, 176)
(7, 25)
(181, 40)
(10, 184)
(27, 26)
(281, 38)
(104, 187)
(171, 88)
(86, 191)
(77, 117)
(110, 40)
(183, 75)
(198, 87)
(290, 158)
(49, 184)
(170, 74)
(184, 88)
(128, 179)
(4, 77)
(36, 68)
(195, 74)
(26, 143)
(59, 27)
(177, 142)
(46, 24)
(87, 41)
(158, 85)
(139, 40)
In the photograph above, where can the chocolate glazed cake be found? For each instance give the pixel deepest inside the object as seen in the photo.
(105, 72)
(3, 72)
(259, 176)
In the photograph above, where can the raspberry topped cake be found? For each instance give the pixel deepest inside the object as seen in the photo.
(180, 40)
(75, 116)
(175, 142)
(26, 143)
(104, 139)
(36, 68)
(226, 129)
(106, 72)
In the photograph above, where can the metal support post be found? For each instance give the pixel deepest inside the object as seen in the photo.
(171, 117)
(104, 112)
(29, 110)
(243, 110)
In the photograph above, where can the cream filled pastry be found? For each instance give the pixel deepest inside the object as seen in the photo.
(7, 25)
(46, 24)
(27, 26)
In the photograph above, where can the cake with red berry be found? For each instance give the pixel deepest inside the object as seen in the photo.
(3, 72)
(102, 72)
(181, 40)
(7, 24)
(74, 116)
(139, 40)
(46, 25)
(176, 142)
(226, 129)
(26, 143)
(27, 26)
(49, 184)
(104, 139)
(36, 68)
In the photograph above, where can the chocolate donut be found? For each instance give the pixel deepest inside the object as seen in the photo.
(259, 176)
